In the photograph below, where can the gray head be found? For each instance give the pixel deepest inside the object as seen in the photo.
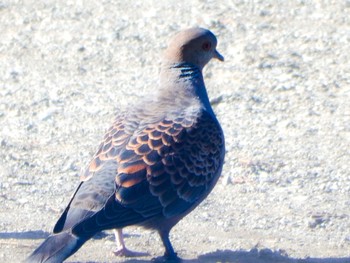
(194, 45)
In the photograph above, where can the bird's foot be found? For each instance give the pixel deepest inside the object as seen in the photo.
(173, 258)
(124, 252)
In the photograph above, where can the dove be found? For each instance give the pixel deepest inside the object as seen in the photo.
(158, 161)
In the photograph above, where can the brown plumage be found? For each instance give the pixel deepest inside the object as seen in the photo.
(156, 163)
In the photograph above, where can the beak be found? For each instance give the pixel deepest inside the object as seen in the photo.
(218, 55)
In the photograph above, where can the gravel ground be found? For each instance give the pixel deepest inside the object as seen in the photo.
(282, 97)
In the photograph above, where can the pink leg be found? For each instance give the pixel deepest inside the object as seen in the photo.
(122, 250)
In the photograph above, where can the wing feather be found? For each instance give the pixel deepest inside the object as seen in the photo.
(163, 169)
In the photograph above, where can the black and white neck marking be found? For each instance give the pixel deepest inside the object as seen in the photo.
(188, 70)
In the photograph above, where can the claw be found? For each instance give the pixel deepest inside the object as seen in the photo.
(167, 259)
(124, 252)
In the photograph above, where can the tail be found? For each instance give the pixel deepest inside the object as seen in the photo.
(56, 248)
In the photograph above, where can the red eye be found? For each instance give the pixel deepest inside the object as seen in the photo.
(206, 46)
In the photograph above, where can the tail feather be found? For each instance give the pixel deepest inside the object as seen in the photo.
(56, 248)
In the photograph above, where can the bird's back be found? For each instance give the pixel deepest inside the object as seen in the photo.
(164, 165)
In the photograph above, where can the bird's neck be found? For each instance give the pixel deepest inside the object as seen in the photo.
(185, 80)
(186, 71)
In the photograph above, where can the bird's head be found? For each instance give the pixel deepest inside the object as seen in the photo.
(195, 45)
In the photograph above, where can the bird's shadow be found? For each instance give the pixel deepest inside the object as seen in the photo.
(230, 256)
(252, 256)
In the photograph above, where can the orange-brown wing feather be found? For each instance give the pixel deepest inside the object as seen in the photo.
(164, 169)
(98, 181)
(177, 162)
(113, 141)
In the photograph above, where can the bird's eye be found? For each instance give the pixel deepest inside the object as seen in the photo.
(206, 46)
